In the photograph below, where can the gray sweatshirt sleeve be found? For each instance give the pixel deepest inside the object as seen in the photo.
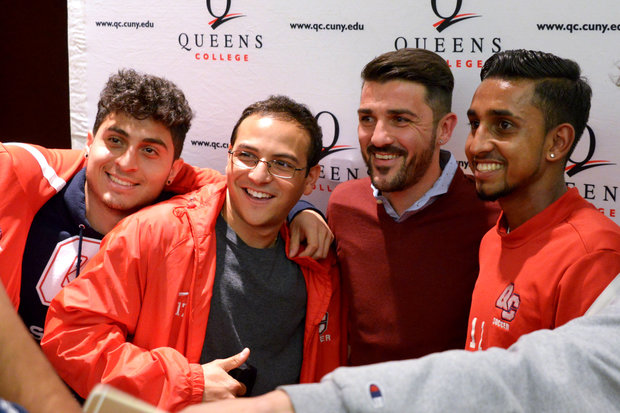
(574, 368)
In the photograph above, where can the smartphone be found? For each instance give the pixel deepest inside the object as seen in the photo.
(246, 374)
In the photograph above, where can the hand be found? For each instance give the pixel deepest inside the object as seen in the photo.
(218, 383)
(309, 226)
(274, 402)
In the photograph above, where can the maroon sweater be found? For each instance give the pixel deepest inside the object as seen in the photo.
(408, 285)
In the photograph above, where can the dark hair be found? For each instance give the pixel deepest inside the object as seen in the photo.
(419, 66)
(146, 96)
(560, 92)
(285, 108)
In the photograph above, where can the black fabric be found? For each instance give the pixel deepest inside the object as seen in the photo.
(259, 302)
(59, 219)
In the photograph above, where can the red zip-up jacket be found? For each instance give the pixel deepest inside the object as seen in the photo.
(137, 316)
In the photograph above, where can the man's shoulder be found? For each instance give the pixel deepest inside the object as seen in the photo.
(161, 209)
(594, 228)
(205, 195)
(353, 186)
(165, 215)
(353, 194)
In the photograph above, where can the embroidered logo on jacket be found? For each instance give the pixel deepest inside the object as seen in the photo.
(181, 303)
(375, 395)
(323, 328)
(508, 302)
(61, 267)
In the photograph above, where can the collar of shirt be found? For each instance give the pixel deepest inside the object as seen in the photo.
(448, 165)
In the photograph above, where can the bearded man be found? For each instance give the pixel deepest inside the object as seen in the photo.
(407, 236)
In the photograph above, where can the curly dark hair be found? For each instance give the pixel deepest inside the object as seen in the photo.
(560, 92)
(146, 96)
(285, 108)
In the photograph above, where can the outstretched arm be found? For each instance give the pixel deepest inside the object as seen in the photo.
(575, 367)
(273, 402)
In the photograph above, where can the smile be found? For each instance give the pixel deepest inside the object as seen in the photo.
(120, 181)
(386, 156)
(488, 167)
(257, 194)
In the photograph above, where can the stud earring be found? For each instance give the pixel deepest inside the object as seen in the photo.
(168, 182)
(552, 155)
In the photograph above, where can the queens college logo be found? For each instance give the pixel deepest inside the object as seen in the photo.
(455, 17)
(332, 147)
(587, 162)
(223, 17)
(466, 51)
(603, 194)
(229, 46)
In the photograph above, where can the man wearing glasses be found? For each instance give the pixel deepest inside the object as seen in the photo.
(180, 291)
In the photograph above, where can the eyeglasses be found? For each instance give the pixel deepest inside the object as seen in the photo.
(276, 167)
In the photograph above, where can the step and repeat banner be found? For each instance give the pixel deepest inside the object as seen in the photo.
(226, 54)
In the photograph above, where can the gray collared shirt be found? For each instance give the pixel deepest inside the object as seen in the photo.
(448, 165)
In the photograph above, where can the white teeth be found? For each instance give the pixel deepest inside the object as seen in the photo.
(385, 156)
(486, 167)
(119, 181)
(257, 194)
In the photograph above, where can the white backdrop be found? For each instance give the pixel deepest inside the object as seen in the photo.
(226, 54)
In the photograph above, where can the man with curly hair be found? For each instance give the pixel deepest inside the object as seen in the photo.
(57, 205)
(131, 155)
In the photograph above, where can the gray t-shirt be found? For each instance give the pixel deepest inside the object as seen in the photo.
(259, 302)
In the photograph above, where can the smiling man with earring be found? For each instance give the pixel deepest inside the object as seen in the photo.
(552, 253)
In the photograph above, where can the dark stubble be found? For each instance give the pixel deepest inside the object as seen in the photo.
(408, 174)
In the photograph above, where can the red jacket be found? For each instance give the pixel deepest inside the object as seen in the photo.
(137, 317)
(29, 176)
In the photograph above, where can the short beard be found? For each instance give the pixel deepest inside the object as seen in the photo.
(408, 175)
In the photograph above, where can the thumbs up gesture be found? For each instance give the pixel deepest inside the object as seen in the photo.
(218, 383)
